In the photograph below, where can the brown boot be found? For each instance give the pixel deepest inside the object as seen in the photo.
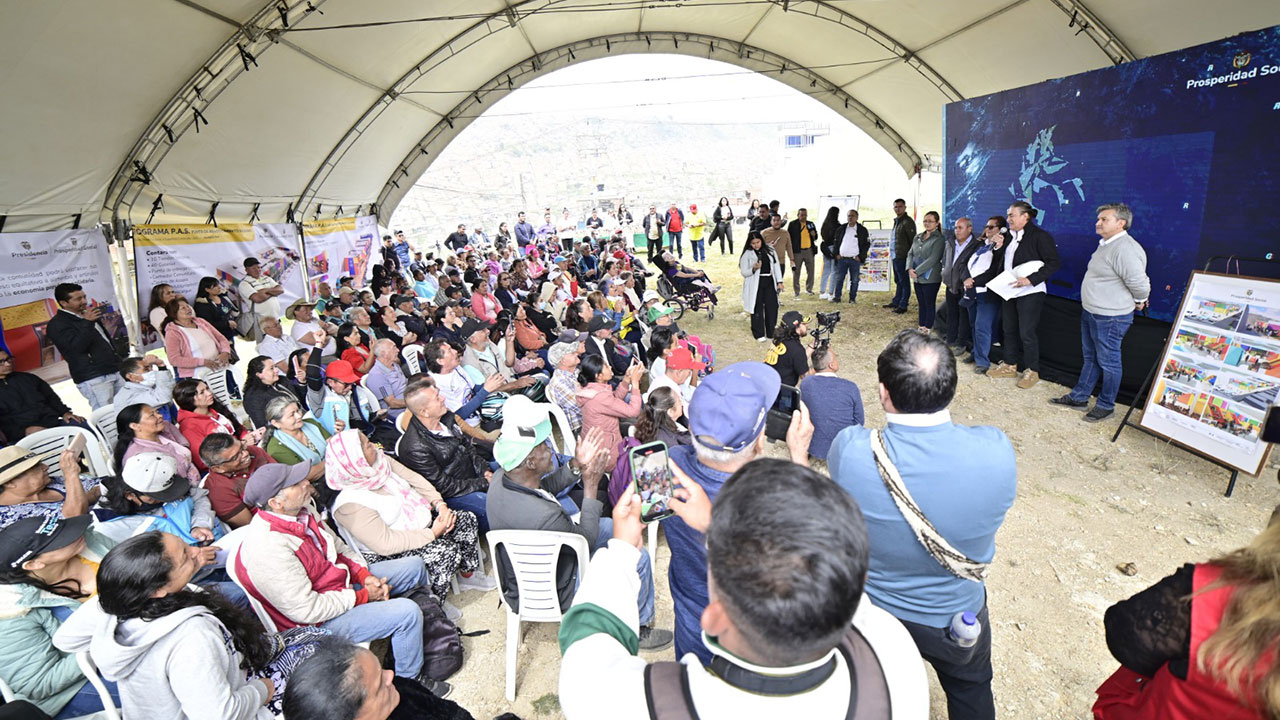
(1001, 370)
(1029, 377)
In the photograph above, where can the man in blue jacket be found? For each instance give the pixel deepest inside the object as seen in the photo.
(524, 234)
(951, 486)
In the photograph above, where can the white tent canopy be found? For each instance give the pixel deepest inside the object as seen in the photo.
(326, 104)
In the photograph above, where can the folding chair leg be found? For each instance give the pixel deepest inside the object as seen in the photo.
(513, 647)
(653, 543)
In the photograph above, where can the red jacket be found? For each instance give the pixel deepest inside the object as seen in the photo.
(195, 428)
(1127, 695)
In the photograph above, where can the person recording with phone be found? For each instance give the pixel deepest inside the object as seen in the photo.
(529, 492)
(727, 419)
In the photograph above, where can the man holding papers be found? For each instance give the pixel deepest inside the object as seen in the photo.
(1027, 243)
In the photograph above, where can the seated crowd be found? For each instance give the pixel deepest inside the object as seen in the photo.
(248, 552)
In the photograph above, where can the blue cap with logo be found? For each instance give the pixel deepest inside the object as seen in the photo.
(729, 408)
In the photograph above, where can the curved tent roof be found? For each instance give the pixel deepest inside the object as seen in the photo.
(321, 105)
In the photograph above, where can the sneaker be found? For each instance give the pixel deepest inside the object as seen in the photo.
(652, 638)
(761, 339)
(1066, 401)
(981, 369)
(1095, 415)
(1002, 370)
(439, 688)
(1029, 378)
(824, 296)
(450, 611)
(477, 581)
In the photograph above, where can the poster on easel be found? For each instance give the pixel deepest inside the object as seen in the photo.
(337, 248)
(877, 270)
(180, 255)
(1220, 370)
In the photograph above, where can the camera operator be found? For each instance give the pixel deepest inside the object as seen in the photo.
(788, 356)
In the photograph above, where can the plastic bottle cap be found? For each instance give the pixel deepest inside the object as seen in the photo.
(969, 619)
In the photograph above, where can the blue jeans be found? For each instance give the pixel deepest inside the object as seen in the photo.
(644, 568)
(101, 391)
(399, 617)
(902, 297)
(927, 299)
(699, 250)
(1100, 338)
(473, 502)
(826, 284)
(982, 318)
(851, 267)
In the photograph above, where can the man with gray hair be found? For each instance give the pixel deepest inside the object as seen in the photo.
(563, 357)
(385, 379)
(726, 418)
(1115, 286)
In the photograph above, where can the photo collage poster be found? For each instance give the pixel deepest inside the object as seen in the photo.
(1220, 370)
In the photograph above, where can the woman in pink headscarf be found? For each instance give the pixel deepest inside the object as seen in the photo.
(389, 511)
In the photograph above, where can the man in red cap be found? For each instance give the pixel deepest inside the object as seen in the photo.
(682, 367)
(696, 222)
(333, 398)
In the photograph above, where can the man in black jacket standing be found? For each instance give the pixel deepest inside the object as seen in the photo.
(1027, 242)
(434, 447)
(78, 333)
(958, 249)
(804, 242)
(904, 233)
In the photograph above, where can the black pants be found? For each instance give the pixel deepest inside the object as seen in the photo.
(722, 230)
(764, 318)
(958, 330)
(1021, 331)
(963, 672)
(927, 299)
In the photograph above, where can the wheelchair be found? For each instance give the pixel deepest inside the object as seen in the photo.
(693, 298)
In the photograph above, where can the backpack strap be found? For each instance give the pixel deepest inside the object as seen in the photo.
(666, 688)
(869, 699)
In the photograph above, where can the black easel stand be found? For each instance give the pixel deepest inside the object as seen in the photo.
(1146, 384)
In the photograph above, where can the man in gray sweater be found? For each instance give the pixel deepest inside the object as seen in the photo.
(1115, 286)
(530, 492)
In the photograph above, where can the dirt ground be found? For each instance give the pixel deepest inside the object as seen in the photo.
(1084, 505)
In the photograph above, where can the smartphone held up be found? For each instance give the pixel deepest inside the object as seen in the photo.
(652, 479)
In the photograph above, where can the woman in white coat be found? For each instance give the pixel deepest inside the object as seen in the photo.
(761, 283)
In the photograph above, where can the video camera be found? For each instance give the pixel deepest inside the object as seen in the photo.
(826, 325)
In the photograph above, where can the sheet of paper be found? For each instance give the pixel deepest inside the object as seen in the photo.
(1003, 286)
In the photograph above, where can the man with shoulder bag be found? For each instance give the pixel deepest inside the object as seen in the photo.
(934, 494)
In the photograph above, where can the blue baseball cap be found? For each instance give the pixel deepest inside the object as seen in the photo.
(729, 408)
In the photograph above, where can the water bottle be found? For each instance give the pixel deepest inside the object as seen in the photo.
(965, 629)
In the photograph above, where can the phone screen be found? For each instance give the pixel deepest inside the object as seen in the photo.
(652, 480)
(788, 400)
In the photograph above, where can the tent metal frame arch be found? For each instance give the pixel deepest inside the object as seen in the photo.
(750, 57)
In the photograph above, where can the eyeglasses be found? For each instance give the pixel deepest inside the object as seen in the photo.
(992, 227)
(5, 361)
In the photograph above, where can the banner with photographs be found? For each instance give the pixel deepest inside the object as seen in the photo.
(34, 264)
(180, 255)
(339, 247)
(877, 271)
(1220, 370)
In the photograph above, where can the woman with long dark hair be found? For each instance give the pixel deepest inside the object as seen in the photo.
(140, 429)
(506, 291)
(178, 651)
(161, 295)
(723, 219)
(829, 248)
(195, 348)
(264, 382)
(924, 266)
(761, 283)
(660, 419)
(39, 593)
(603, 406)
(353, 347)
(214, 307)
(578, 315)
(200, 414)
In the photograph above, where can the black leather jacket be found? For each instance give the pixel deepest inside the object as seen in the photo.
(452, 464)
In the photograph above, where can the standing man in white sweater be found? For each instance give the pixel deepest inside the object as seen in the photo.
(1115, 286)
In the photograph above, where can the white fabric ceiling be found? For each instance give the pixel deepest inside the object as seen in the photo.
(324, 119)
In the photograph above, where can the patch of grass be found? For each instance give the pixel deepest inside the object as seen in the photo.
(547, 704)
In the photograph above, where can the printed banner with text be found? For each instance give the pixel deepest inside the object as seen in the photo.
(180, 255)
(339, 248)
(34, 264)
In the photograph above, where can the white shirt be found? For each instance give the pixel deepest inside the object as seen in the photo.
(1012, 247)
(278, 349)
(849, 243)
(941, 417)
(1113, 238)
(455, 389)
(664, 380)
(251, 285)
(302, 328)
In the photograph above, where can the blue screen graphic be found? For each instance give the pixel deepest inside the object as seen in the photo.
(1190, 140)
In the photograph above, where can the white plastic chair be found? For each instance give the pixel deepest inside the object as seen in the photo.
(533, 555)
(412, 355)
(568, 443)
(231, 543)
(49, 444)
(104, 419)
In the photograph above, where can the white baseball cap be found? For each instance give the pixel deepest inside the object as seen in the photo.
(155, 474)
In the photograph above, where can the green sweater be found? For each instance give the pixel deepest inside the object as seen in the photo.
(37, 671)
(281, 453)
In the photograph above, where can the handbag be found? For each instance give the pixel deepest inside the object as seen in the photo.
(441, 641)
